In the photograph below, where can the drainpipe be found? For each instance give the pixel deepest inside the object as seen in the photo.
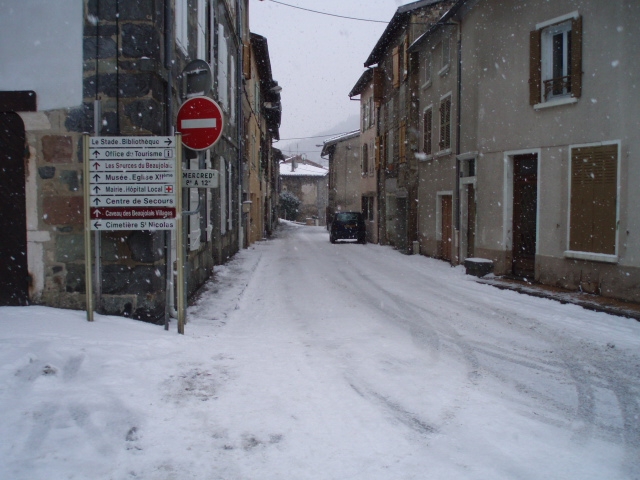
(239, 117)
(169, 310)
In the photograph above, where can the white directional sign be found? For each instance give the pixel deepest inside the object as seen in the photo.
(132, 183)
(200, 178)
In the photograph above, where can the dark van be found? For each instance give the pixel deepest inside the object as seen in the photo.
(348, 226)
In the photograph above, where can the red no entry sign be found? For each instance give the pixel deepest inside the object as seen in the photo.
(200, 122)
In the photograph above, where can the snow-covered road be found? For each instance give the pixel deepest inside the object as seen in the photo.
(306, 360)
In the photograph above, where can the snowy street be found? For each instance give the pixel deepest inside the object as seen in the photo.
(307, 360)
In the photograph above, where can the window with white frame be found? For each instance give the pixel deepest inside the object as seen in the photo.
(593, 202)
(202, 29)
(445, 123)
(182, 22)
(211, 37)
(223, 69)
(555, 68)
(427, 69)
(232, 88)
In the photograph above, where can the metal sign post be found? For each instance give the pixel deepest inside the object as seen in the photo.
(180, 263)
(87, 229)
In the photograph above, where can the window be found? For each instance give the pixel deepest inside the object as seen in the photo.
(365, 159)
(446, 52)
(427, 129)
(445, 123)
(211, 38)
(202, 29)
(396, 67)
(427, 70)
(223, 196)
(372, 159)
(182, 22)
(372, 112)
(593, 209)
(389, 143)
(223, 63)
(555, 68)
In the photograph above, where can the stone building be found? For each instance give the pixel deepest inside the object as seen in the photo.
(343, 152)
(307, 180)
(116, 68)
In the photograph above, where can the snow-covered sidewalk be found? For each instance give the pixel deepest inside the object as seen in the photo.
(306, 360)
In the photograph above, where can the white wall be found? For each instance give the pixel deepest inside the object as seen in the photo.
(41, 50)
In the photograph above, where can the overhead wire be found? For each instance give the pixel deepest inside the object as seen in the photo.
(329, 14)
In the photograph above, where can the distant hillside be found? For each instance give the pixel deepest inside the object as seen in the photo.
(308, 146)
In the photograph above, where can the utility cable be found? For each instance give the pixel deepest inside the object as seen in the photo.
(329, 14)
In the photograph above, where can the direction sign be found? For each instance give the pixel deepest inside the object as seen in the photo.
(200, 121)
(132, 183)
(200, 178)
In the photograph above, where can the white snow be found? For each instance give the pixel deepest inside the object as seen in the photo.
(306, 360)
(302, 170)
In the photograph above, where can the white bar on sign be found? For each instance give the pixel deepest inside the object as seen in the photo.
(199, 123)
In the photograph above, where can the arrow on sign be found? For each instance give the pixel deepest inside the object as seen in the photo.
(96, 201)
(96, 189)
(168, 141)
(96, 177)
(97, 224)
(97, 212)
(96, 153)
(96, 165)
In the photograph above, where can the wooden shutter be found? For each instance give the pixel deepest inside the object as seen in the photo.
(402, 147)
(246, 61)
(396, 67)
(593, 199)
(576, 57)
(445, 124)
(535, 71)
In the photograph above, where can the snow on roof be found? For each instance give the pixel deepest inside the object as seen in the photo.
(342, 136)
(302, 170)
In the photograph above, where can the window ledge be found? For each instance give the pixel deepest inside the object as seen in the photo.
(426, 85)
(594, 257)
(555, 103)
(442, 153)
(444, 70)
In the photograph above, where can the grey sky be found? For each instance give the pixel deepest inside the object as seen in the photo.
(317, 59)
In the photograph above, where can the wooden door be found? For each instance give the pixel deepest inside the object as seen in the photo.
(525, 205)
(14, 280)
(447, 227)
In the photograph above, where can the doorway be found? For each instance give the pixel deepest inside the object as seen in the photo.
(14, 274)
(471, 220)
(447, 227)
(525, 207)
